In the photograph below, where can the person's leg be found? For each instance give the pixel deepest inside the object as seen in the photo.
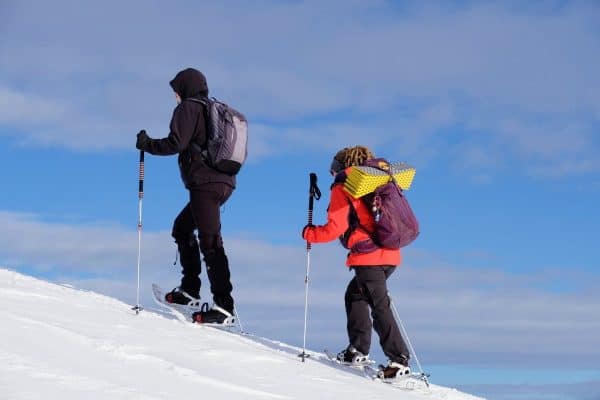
(357, 315)
(189, 253)
(205, 205)
(373, 280)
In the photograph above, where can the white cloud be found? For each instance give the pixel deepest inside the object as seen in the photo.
(28, 108)
(415, 72)
(46, 121)
(27, 240)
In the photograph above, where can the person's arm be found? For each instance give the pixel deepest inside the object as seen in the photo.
(337, 219)
(183, 123)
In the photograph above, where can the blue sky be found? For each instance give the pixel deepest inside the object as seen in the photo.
(496, 105)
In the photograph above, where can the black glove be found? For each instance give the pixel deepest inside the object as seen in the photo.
(142, 140)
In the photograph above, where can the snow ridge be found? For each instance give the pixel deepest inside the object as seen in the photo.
(60, 342)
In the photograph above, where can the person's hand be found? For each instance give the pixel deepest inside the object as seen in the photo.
(142, 140)
(305, 229)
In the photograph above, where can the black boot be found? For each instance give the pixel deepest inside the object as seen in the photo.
(179, 296)
(351, 356)
(215, 315)
(394, 370)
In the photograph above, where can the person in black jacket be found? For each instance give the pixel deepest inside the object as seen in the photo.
(208, 190)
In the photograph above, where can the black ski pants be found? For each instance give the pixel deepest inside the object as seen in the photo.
(368, 289)
(203, 213)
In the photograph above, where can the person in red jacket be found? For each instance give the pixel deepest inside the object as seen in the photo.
(350, 220)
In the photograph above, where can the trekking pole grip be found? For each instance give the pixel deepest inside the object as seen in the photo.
(313, 193)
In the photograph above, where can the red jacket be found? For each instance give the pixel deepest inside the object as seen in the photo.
(337, 223)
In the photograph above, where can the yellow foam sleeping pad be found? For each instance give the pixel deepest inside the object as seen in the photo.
(364, 180)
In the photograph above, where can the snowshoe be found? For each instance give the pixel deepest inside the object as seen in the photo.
(180, 296)
(213, 316)
(351, 356)
(393, 371)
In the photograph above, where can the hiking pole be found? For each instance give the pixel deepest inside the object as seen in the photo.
(239, 321)
(423, 375)
(138, 307)
(313, 193)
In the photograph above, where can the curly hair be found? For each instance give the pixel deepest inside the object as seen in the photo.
(351, 156)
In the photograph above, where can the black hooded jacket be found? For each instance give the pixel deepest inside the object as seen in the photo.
(188, 125)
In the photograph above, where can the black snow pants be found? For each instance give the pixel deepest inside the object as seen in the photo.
(203, 213)
(368, 289)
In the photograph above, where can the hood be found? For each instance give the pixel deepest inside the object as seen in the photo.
(190, 83)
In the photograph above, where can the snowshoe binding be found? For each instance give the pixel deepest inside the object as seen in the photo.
(393, 371)
(215, 316)
(181, 297)
(353, 357)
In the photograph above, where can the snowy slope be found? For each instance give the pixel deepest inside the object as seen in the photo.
(60, 343)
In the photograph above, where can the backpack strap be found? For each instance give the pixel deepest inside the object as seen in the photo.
(354, 222)
(199, 149)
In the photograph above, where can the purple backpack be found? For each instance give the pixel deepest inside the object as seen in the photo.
(395, 223)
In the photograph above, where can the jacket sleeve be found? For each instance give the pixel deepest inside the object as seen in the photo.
(183, 124)
(337, 219)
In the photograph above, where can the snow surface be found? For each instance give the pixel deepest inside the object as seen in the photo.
(57, 342)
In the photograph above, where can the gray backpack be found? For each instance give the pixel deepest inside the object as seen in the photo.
(226, 136)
